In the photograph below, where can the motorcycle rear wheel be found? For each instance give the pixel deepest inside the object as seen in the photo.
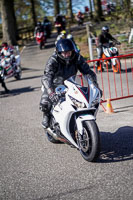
(89, 145)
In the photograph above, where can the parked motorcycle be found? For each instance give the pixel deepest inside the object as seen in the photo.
(73, 118)
(40, 39)
(109, 50)
(11, 67)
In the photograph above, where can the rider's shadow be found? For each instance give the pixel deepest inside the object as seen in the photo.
(19, 91)
(126, 71)
(117, 146)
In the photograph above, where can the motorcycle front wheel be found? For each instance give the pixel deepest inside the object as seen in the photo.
(117, 67)
(100, 67)
(40, 45)
(89, 142)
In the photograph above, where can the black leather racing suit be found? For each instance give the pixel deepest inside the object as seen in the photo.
(57, 70)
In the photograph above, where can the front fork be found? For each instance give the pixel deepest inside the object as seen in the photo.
(113, 61)
(79, 122)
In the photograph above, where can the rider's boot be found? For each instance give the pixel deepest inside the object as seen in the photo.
(98, 65)
(45, 121)
(4, 86)
(6, 90)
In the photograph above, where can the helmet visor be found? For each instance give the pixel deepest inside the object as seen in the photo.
(66, 54)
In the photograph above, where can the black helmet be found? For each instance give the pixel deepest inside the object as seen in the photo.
(105, 29)
(65, 45)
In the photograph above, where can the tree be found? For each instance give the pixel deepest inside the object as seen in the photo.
(127, 4)
(90, 3)
(33, 12)
(98, 10)
(9, 26)
(69, 9)
(56, 7)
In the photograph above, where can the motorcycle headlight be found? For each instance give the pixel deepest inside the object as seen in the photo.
(77, 103)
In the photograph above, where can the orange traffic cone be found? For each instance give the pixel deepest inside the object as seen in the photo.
(109, 108)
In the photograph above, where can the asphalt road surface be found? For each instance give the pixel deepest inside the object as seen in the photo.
(32, 168)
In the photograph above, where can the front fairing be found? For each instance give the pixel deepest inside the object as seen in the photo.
(82, 89)
(110, 51)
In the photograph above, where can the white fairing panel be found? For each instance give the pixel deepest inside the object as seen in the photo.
(82, 118)
(62, 114)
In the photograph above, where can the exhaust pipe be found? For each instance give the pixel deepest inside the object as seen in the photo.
(52, 133)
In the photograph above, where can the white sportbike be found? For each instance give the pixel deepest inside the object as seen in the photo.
(8, 68)
(73, 118)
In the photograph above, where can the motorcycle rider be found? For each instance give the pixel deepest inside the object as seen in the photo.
(62, 64)
(6, 50)
(103, 39)
(39, 33)
(47, 26)
(39, 28)
(80, 18)
(60, 19)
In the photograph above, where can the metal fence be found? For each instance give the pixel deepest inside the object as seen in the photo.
(116, 86)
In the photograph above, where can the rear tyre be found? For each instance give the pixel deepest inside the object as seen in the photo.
(89, 143)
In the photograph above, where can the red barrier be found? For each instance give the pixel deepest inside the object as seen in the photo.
(115, 86)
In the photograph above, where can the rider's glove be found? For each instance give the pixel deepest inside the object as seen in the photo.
(53, 97)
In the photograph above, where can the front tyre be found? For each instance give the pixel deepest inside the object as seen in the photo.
(89, 142)
(40, 45)
(117, 67)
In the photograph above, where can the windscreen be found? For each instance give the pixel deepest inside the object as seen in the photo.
(79, 80)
